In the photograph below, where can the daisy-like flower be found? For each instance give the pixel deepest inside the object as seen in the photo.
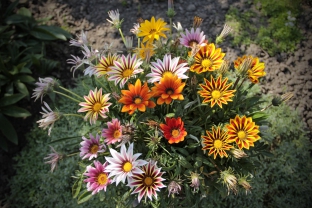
(152, 30)
(243, 181)
(169, 88)
(49, 117)
(115, 20)
(97, 177)
(228, 178)
(167, 66)
(174, 187)
(76, 62)
(178, 27)
(80, 41)
(129, 43)
(113, 133)
(96, 104)
(216, 91)
(53, 158)
(137, 97)
(255, 70)
(147, 183)
(238, 153)
(43, 87)
(125, 68)
(225, 32)
(243, 131)
(146, 51)
(208, 58)
(191, 38)
(135, 30)
(105, 64)
(195, 182)
(124, 164)
(216, 142)
(91, 147)
(173, 130)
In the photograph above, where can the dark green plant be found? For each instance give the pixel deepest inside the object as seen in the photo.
(22, 59)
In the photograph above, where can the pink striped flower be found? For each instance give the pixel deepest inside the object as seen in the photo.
(113, 133)
(91, 147)
(191, 38)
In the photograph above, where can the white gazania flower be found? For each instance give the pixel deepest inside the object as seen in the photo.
(48, 118)
(43, 87)
(167, 66)
(115, 20)
(178, 27)
(80, 41)
(124, 164)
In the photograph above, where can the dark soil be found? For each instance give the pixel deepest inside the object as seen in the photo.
(285, 71)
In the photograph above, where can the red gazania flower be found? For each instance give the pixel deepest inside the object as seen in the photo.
(173, 130)
(137, 97)
(169, 88)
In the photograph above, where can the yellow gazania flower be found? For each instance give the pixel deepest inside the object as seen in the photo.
(146, 51)
(151, 30)
(105, 64)
(255, 70)
(208, 58)
(216, 91)
(243, 131)
(96, 105)
(216, 142)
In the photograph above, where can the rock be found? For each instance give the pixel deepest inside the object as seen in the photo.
(191, 8)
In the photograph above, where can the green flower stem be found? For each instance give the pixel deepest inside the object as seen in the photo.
(72, 154)
(57, 92)
(170, 27)
(214, 164)
(63, 88)
(72, 114)
(122, 36)
(237, 80)
(241, 83)
(165, 150)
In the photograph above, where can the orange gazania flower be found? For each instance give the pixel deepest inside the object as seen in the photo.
(216, 142)
(173, 130)
(137, 97)
(243, 131)
(208, 58)
(169, 88)
(216, 91)
(254, 71)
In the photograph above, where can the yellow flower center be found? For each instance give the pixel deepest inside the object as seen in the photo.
(166, 73)
(206, 63)
(215, 94)
(137, 100)
(94, 149)
(175, 133)
(117, 134)
(148, 181)
(127, 166)
(97, 107)
(217, 144)
(102, 178)
(127, 73)
(241, 135)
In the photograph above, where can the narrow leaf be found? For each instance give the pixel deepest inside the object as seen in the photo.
(8, 130)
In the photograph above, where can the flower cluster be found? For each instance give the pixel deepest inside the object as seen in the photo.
(161, 118)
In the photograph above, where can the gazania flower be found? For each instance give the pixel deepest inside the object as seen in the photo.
(167, 66)
(113, 133)
(146, 51)
(255, 70)
(97, 177)
(148, 182)
(243, 131)
(195, 182)
(105, 64)
(96, 104)
(137, 97)
(191, 38)
(228, 178)
(114, 15)
(91, 147)
(174, 187)
(173, 130)
(53, 158)
(216, 142)
(43, 87)
(169, 88)
(49, 117)
(124, 164)
(152, 30)
(80, 40)
(216, 91)
(208, 58)
(124, 69)
(135, 29)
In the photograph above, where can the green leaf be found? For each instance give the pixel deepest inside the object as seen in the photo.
(56, 31)
(11, 99)
(25, 12)
(15, 111)
(4, 144)
(184, 162)
(170, 115)
(77, 186)
(10, 8)
(21, 87)
(42, 34)
(8, 130)
(26, 70)
(25, 78)
(85, 196)
(16, 18)
(183, 151)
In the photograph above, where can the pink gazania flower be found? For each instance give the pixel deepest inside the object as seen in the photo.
(91, 147)
(191, 38)
(49, 117)
(53, 158)
(124, 164)
(113, 133)
(96, 104)
(44, 86)
(98, 177)
(148, 182)
(125, 68)
(167, 66)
